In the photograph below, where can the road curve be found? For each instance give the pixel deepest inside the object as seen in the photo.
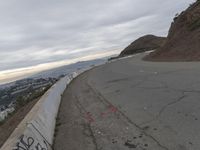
(132, 104)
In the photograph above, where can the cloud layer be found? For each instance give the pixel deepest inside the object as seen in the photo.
(33, 32)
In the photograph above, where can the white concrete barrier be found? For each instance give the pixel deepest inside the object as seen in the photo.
(36, 131)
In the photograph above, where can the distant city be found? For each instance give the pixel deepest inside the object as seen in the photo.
(17, 94)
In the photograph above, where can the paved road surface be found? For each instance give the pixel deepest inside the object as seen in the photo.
(132, 104)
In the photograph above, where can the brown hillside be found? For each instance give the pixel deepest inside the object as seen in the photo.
(145, 43)
(183, 41)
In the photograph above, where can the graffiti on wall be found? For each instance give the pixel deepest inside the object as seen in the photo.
(29, 143)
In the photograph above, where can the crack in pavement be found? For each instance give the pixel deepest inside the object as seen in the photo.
(165, 86)
(172, 103)
(101, 97)
(164, 108)
(86, 126)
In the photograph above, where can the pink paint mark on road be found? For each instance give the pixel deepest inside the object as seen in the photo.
(89, 117)
(103, 114)
(113, 109)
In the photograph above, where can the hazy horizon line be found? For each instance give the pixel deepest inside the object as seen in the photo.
(11, 75)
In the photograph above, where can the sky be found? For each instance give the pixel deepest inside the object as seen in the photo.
(34, 33)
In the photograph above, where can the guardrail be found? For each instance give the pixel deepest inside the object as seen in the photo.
(36, 131)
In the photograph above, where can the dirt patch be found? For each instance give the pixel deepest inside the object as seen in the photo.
(12, 122)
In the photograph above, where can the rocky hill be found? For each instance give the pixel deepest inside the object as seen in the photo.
(145, 43)
(183, 41)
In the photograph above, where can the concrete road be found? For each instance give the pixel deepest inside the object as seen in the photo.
(132, 104)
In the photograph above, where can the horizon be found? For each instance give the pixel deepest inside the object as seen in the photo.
(35, 41)
(12, 75)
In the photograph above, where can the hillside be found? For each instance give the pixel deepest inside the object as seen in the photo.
(145, 43)
(183, 41)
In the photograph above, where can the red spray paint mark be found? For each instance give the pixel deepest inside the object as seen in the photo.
(89, 117)
(112, 108)
(103, 114)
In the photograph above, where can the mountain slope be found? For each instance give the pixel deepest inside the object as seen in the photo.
(145, 43)
(183, 41)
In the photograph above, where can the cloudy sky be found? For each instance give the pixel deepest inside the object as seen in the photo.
(34, 32)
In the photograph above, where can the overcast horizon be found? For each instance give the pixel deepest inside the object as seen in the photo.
(37, 32)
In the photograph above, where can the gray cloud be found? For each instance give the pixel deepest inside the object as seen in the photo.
(35, 31)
